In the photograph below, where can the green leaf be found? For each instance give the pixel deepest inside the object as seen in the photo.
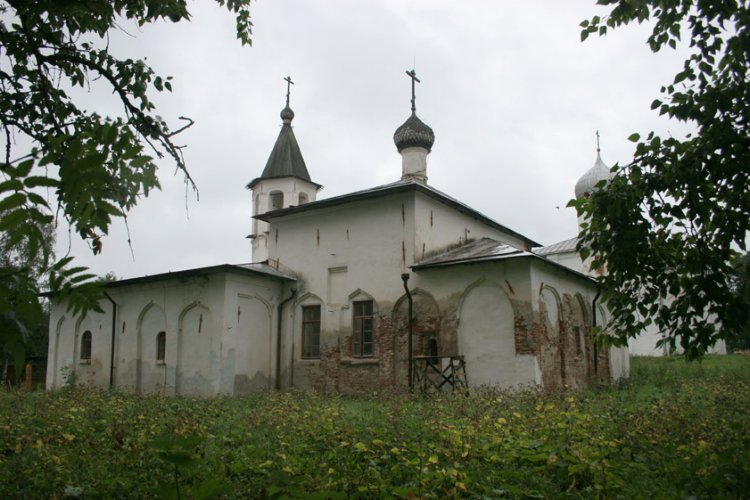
(37, 199)
(23, 168)
(37, 181)
(140, 161)
(62, 263)
(12, 202)
(11, 185)
(11, 220)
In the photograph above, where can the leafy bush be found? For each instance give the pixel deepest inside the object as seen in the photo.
(674, 429)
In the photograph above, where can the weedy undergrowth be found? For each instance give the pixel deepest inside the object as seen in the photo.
(673, 429)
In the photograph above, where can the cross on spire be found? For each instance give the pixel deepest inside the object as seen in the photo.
(413, 75)
(597, 141)
(289, 84)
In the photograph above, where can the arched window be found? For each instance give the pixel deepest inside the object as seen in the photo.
(161, 346)
(302, 198)
(276, 200)
(86, 346)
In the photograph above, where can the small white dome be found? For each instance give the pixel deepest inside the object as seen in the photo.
(588, 181)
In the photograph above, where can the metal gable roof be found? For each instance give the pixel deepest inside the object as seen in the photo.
(564, 246)
(487, 250)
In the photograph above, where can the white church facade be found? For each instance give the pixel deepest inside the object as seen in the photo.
(324, 305)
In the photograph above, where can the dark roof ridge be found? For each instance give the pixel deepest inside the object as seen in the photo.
(256, 269)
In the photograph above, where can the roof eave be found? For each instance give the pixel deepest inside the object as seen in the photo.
(255, 181)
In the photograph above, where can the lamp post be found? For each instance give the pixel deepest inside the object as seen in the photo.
(405, 279)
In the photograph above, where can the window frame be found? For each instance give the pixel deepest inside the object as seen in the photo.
(273, 196)
(432, 347)
(309, 350)
(161, 347)
(362, 312)
(84, 355)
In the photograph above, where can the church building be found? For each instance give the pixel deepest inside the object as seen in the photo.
(379, 289)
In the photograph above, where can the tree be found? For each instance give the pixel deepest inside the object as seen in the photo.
(741, 288)
(63, 160)
(667, 225)
(22, 275)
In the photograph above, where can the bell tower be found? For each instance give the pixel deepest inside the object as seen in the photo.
(285, 181)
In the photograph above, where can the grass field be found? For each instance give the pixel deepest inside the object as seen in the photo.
(673, 430)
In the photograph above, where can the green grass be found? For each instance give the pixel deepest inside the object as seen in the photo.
(673, 430)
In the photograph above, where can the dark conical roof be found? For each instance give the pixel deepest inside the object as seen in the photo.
(414, 133)
(286, 158)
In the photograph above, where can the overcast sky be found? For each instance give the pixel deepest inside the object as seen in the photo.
(512, 94)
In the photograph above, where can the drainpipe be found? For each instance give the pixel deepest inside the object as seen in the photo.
(112, 353)
(278, 338)
(405, 279)
(593, 324)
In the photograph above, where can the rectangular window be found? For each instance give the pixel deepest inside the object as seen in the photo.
(311, 332)
(362, 324)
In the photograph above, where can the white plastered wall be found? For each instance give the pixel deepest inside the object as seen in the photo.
(438, 226)
(485, 316)
(291, 189)
(210, 348)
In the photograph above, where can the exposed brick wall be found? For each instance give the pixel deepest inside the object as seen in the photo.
(428, 323)
(547, 332)
(523, 325)
(575, 353)
(337, 370)
(561, 361)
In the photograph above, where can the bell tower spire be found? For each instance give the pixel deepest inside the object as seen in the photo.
(285, 181)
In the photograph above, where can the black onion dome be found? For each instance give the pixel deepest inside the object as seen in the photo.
(414, 133)
(287, 114)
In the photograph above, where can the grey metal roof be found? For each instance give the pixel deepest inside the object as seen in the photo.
(474, 251)
(286, 158)
(487, 250)
(249, 269)
(564, 246)
(393, 188)
(263, 268)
